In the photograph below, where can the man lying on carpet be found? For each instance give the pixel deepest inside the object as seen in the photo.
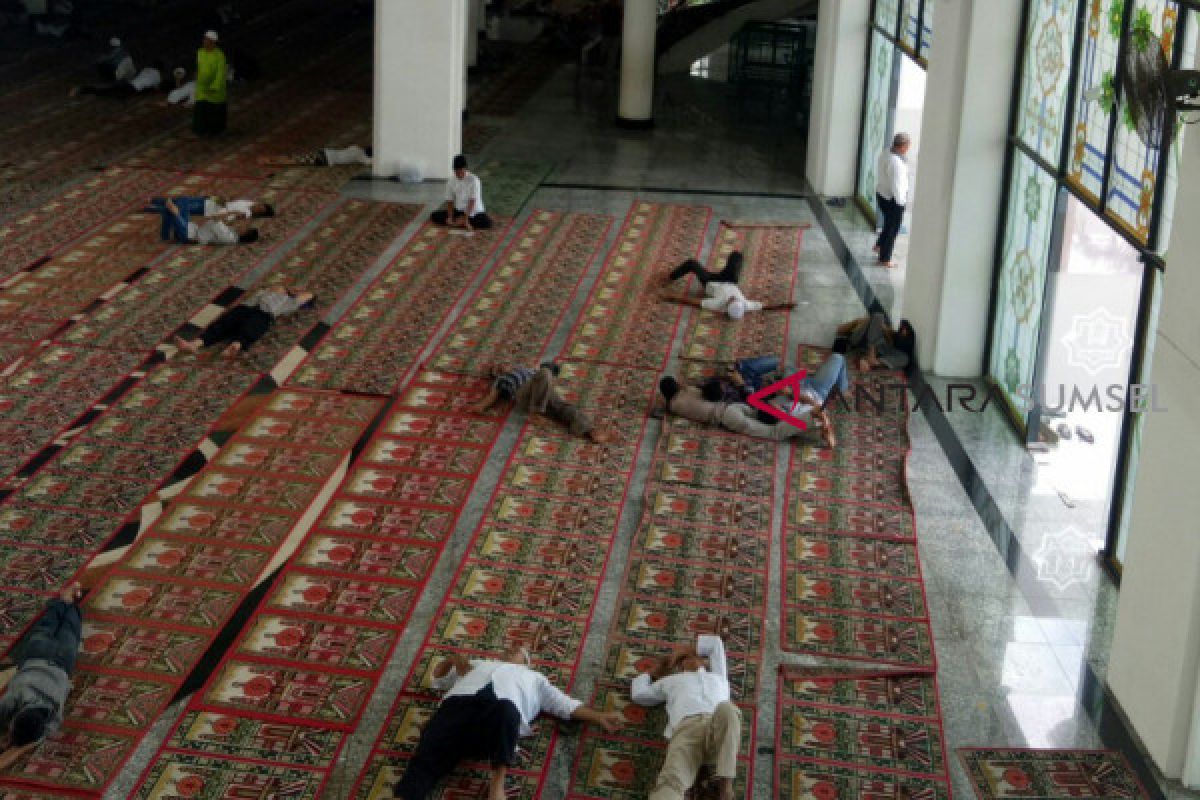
(246, 323)
(488, 706)
(741, 379)
(325, 157)
(178, 226)
(690, 402)
(724, 298)
(212, 206)
(32, 706)
(703, 724)
(872, 343)
(464, 200)
(533, 391)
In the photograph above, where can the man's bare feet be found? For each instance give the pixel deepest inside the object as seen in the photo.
(828, 437)
(725, 788)
(887, 264)
(232, 351)
(186, 345)
(72, 593)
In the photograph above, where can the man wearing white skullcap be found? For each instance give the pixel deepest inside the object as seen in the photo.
(210, 113)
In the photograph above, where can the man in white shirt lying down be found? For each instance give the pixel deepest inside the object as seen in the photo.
(489, 704)
(703, 724)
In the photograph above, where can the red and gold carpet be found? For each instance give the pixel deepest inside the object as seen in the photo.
(1002, 772)
(381, 335)
(293, 685)
(514, 313)
(623, 322)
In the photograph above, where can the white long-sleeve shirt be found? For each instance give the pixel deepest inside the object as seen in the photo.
(687, 693)
(720, 295)
(891, 177)
(531, 692)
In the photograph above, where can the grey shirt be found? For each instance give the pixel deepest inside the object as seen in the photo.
(37, 684)
(274, 302)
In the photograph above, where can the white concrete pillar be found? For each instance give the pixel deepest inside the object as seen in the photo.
(635, 109)
(959, 183)
(838, 78)
(1154, 667)
(420, 75)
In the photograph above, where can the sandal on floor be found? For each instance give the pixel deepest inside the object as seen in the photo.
(1084, 434)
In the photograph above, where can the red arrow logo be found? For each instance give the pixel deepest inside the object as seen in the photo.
(758, 399)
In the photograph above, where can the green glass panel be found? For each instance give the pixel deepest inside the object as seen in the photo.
(876, 114)
(1096, 99)
(1046, 72)
(886, 12)
(1022, 281)
(909, 24)
(927, 27)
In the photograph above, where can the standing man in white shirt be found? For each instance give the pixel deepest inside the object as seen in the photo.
(464, 200)
(891, 191)
(703, 724)
(488, 706)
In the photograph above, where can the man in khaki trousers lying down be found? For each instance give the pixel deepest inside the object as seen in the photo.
(703, 725)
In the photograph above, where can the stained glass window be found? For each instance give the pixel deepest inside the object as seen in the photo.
(1096, 98)
(1022, 281)
(1134, 165)
(909, 23)
(886, 12)
(1191, 44)
(927, 27)
(876, 115)
(1045, 76)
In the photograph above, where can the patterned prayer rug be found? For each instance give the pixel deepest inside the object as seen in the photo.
(772, 258)
(622, 322)
(381, 335)
(697, 566)
(514, 313)
(48, 392)
(859, 734)
(327, 262)
(852, 581)
(999, 772)
(508, 185)
(184, 582)
(296, 678)
(530, 574)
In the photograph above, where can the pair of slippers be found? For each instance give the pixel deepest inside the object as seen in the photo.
(1064, 433)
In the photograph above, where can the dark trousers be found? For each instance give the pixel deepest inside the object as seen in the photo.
(731, 273)
(478, 727)
(893, 218)
(480, 220)
(54, 638)
(208, 119)
(242, 324)
(122, 89)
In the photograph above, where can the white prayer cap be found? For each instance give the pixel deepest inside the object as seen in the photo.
(736, 310)
(211, 35)
(114, 41)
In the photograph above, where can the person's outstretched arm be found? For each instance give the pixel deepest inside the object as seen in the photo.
(611, 721)
(779, 307)
(558, 703)
(682, 299)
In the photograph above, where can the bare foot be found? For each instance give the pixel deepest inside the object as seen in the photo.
(827, 435)
(887, 264)
(72, 593)
(725, 788)
(187, 346)
(602, 435)
(232, 350)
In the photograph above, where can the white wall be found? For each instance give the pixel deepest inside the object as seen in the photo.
(958, 186)
(838, 78)
(1155, 660)
(420, 79)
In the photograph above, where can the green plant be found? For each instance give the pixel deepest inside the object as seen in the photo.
(1142, 30)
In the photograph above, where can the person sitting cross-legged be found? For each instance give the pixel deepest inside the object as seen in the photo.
(488, 705)
(32, 706)
(704, 727)
(534, 391)
(464, 200)
(246, 323)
